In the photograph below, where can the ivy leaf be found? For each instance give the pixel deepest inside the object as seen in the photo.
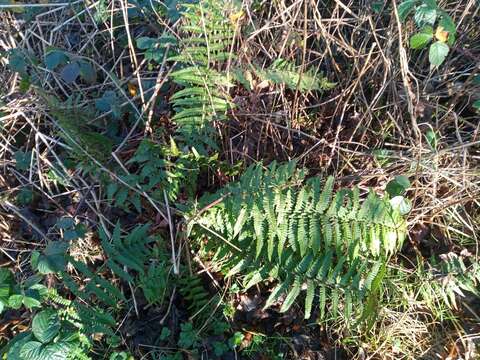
(46, 325)
(420, 40)
(437, 54)
(398, 186)
(70, 72)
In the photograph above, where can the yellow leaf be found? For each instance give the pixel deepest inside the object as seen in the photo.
(441, 34)
(235, 17)
(132, 89)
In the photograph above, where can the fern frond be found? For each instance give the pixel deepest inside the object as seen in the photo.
(283, 72)
(321, 238)
(208, 35)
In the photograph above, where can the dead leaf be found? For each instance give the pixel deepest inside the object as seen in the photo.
(132, 89)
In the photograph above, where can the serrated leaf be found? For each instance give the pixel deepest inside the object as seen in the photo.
(31, 302)
(420, 40)
(46, 325)
(53, 258)
(405, 8)
(15, 301)
(425, 14)
(438, 52)
(448, 25)
(16, 344)
(32, 350)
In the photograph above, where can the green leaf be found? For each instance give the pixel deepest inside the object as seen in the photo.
(447, 23)
(17, 61)
(32, 350)
(145, 43)
(46, 325)
(405, 8)
(398, 186)
(425, 14)
(16, 344)
(55, 58)
(291, 296)
(402, 204)
(65, 223)
(377, 6)
(31, 302)
(53, 258)
(70, 235)
(420, 40)
(4, 292)
(87, 72)
(476, 105)
(6, 276)
(22, 160)
(109, 102)
(70, 72)
(438, 53)
(309, 298)
(15, 301)
(432, 139)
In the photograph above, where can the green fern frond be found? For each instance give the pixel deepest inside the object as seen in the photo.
(327, 242)
(208, 35)
(283, 72)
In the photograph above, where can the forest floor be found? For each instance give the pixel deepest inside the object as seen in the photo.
(102, 176)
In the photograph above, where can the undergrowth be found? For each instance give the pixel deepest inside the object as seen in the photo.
(216, 180)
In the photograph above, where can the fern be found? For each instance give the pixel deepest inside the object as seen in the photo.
(283, 72)
(207, 37)
(274, 224)
(193, 292)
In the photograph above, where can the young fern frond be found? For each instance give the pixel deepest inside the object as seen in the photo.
(208, 36)
(304, 236)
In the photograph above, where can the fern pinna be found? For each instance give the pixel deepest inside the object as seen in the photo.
(206, 45)
(274, 224)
